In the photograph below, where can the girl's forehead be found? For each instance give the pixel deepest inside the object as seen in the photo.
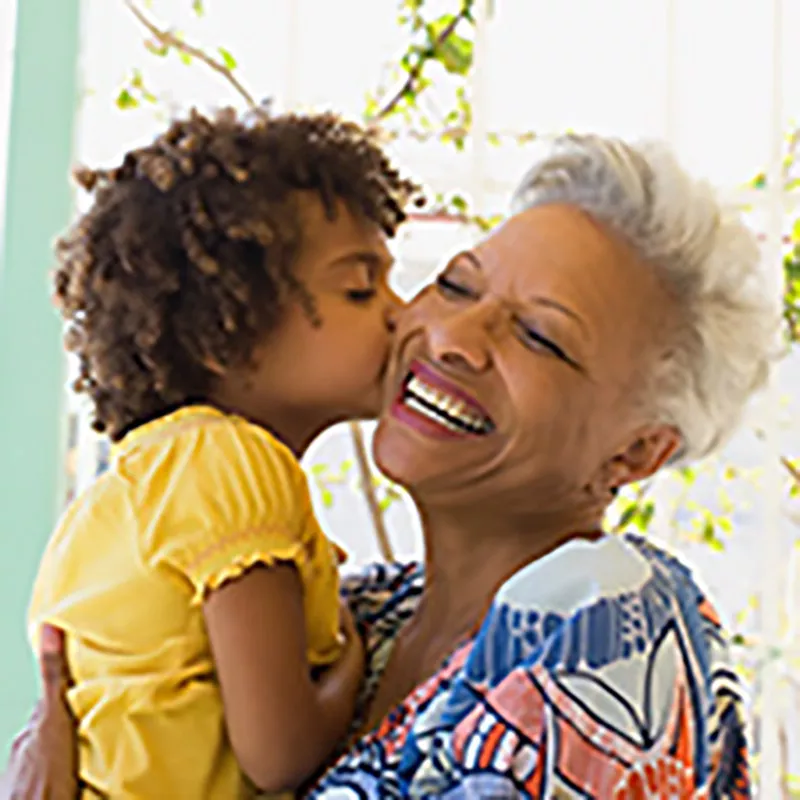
(338, 237)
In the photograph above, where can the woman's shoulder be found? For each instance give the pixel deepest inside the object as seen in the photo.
(593, 605)
(608, 647)
(675, 581)
(583, 573)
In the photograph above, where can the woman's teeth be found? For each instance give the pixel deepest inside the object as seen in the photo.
(447, 411)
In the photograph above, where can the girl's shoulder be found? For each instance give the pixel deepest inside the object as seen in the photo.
(201, 427)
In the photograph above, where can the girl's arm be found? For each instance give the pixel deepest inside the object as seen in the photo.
(283, 726)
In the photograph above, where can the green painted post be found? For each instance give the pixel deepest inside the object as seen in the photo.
(44, 99)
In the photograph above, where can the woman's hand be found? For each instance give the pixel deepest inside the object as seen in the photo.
(44, 763)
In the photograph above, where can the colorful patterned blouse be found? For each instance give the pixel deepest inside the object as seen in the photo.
(600, 671)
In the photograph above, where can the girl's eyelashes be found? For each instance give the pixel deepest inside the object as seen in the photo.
(361, 295)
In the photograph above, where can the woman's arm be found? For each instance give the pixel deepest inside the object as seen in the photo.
(43, 763)
(283, 726)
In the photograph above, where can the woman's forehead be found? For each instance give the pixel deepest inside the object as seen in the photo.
(561, 253)
(557, 235)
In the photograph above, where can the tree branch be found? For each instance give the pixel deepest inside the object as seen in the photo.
(641, 492)
(168, 39)
(791, 469)
(365, 475)
(415, 72)
(460, 132)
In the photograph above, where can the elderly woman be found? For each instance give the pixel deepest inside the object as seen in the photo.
(615, 325)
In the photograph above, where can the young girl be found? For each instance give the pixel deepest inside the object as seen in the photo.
(227, 298)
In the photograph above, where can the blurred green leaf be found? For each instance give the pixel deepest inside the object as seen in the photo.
(227, 58)
(627, 516)
(370, 105)
(709, 535)
(487, 223)
(646, 514)
(125, 100)
(156, 48)
(454, 52)
(199, 8)
(725, 524)
(459, 203)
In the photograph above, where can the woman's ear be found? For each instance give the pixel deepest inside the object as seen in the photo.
(650, 450)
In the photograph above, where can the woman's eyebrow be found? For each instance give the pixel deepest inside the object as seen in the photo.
(540, 300)
(470, 256)
(548, 302)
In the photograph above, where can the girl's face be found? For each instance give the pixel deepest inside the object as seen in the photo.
(314, 370)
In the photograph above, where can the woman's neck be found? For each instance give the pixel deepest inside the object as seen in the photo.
(469, 556)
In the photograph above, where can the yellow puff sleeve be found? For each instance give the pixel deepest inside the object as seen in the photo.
(219, 498)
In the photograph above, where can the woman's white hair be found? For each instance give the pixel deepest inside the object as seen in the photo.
(708, 259)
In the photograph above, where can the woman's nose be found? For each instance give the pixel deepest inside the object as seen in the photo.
(461, 340)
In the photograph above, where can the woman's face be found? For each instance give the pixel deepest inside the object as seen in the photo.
(515, 371)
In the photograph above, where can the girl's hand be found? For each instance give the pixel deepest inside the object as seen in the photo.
(347, 623)
(350, 666)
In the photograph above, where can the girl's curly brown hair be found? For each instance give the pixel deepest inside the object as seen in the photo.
(185, 259)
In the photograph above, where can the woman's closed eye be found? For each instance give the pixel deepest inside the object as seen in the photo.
(451, 288)
(454, 289)
(536, 341)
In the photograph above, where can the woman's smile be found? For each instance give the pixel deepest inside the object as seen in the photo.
(435, 406)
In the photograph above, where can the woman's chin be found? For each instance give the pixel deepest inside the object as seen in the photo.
(413, 457)
(394, 455)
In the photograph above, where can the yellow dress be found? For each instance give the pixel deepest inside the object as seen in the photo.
(189, 501)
